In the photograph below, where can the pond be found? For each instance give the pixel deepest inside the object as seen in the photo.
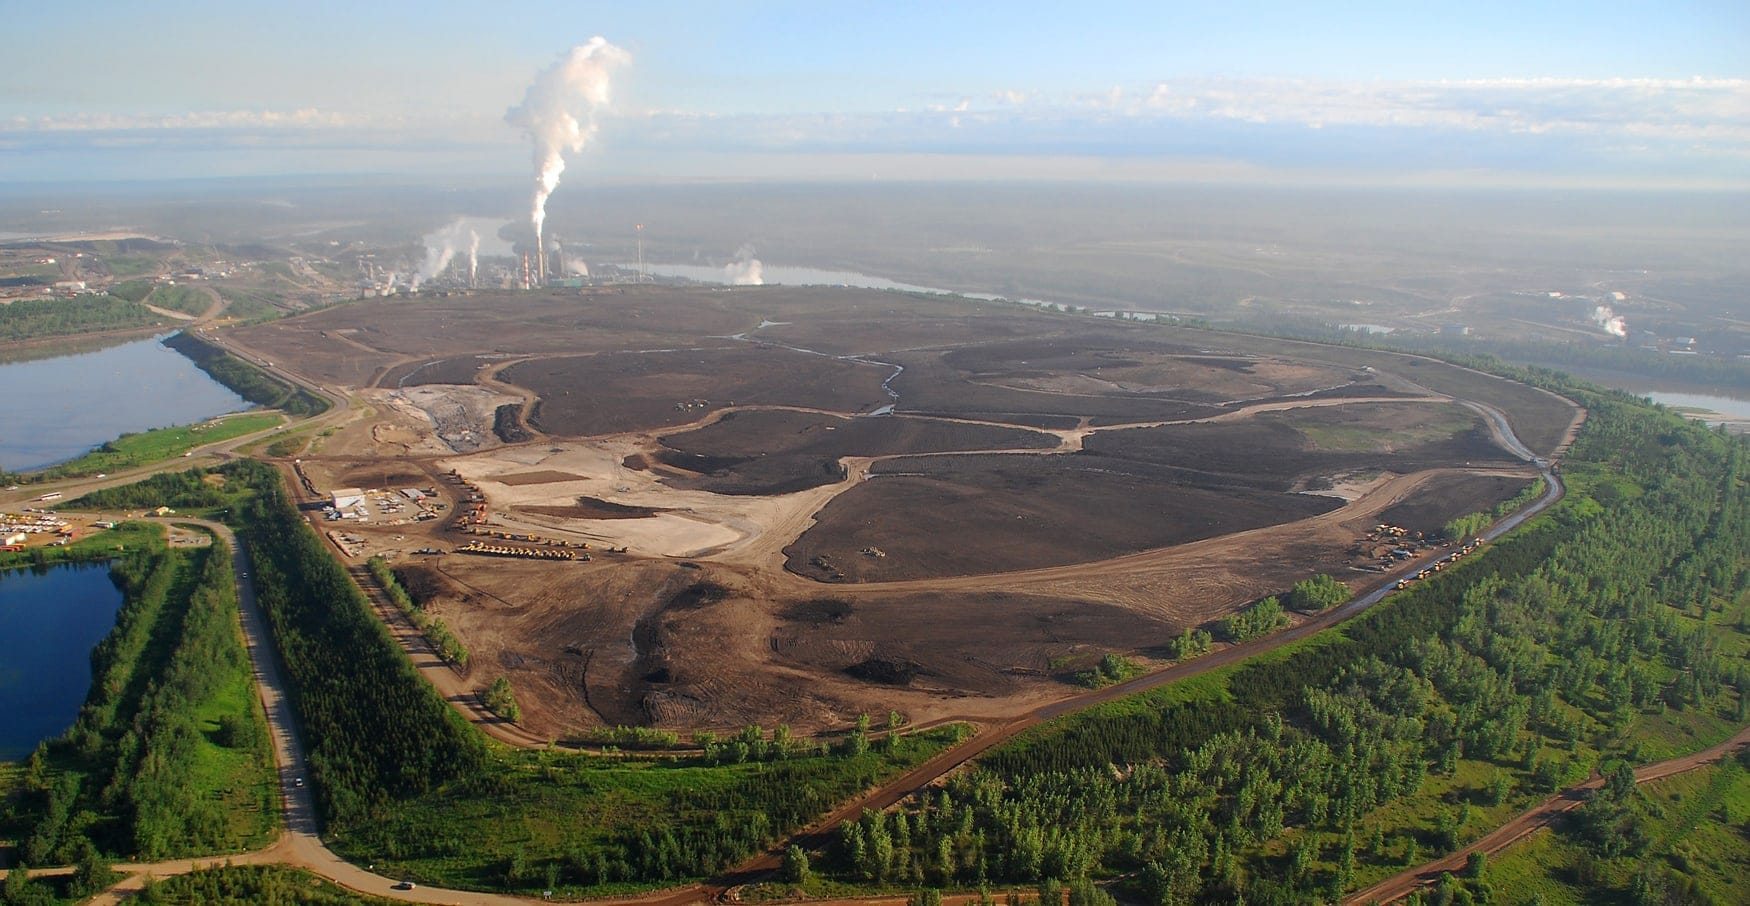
(49, 622)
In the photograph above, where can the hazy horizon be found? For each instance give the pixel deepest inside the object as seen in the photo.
(1256, 93)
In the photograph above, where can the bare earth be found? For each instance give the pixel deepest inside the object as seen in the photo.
(770, 544)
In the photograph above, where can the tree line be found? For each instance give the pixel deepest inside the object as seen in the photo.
(28, 319)
(1556, 642)
(246, 380)
(140, 773)
(377, 733)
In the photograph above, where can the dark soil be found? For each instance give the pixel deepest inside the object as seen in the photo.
(619, 392)
(888, 671)
(975, 644)
(967, 515)
(776, 451)
(456, 370)
(1270, 453)
(1446, 497)
(783, 474)
(595, 508)
(507, 424)
(930, 385)
(544, 476)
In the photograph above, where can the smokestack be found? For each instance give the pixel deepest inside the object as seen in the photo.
(441, 247)
(558, 114)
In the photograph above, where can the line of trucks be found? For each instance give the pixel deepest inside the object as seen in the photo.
(1442, 563)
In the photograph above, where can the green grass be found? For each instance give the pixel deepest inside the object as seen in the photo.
(185, 299)
(549, 807)
(133, 290)
(149, 768)
(249, 306)
(159, 444)
(1695, 827)
(101, 546)
(132, 265)
(248, 885)
(236, 776)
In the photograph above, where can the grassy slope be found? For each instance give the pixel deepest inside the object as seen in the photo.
(159, 444)
(1697, 825)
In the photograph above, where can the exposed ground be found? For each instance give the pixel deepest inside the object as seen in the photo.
(803, 504)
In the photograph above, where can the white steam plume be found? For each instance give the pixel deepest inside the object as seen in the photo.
(1612, 322)
(558, 113)
(745, 269)
(473, 255)
(441, 247)
(576, 266)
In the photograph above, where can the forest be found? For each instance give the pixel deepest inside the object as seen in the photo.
(29, 319)
(1610, 632)
(169, 755)
(246, 380)
(402, 781)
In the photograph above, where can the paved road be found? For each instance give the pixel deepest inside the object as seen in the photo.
(300, 844)
(1537, 817)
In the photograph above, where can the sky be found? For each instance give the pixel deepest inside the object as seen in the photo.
(1597, 93)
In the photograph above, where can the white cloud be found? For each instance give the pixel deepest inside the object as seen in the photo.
(1638, 129)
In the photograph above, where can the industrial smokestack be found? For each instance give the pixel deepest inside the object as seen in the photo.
(558, 113)
(441, 247)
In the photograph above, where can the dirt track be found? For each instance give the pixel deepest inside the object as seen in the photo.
(1539, 816)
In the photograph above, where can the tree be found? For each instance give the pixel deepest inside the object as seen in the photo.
(795, 865)
(21, 890)
(929, 896)
(1084, 892)
(91, 873)
(1320, 592)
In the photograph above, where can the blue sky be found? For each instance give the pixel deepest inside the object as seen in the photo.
(1473, 93)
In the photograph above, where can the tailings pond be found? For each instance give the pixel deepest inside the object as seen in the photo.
(55, 409)
(49, 622)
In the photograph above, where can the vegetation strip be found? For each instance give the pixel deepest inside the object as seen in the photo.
(169, 756)
(248, 381)
(1312, 770)
(131, 450)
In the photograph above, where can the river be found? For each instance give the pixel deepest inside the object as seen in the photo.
(49, 622)
(788, 275)
(55, 409)
(1721, 405)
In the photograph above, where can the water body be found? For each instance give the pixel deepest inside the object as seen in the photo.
(787, 275)
(49, 622)
(56, 409)
(1724, 405)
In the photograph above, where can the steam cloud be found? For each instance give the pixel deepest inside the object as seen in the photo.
(558, 113)
(441, 247)
(1612, 322)
(745, 269)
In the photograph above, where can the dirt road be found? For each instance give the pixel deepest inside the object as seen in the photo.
(1539, 816)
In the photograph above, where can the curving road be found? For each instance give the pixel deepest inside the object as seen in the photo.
(1541, 815)
(301, 845)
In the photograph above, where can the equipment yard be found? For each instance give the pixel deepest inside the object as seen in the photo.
(700, 509)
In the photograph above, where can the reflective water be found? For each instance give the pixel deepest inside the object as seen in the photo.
(58, 408)
(49, 622)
